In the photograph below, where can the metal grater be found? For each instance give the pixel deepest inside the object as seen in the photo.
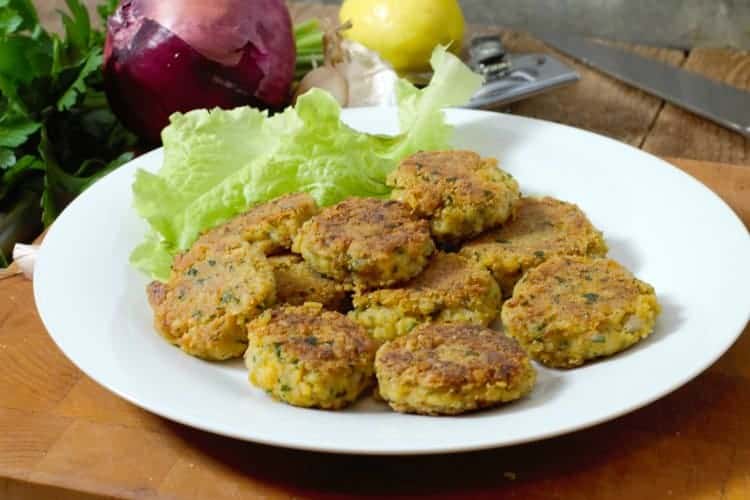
(512, 77)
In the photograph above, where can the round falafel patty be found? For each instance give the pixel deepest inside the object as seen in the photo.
(570, 310)
(451, 289)
(451, 369)
(365, 241)
(210, 296)
(297, 283)
(270, 225)
(539, 229)
(305, 356)
(460, 193)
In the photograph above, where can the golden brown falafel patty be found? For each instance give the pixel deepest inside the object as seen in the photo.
(569, 310)
(540, 228)
(365, 241)
(460, 193)
(451, 289)
(306, 356)
(449, 369)
(210, 296)
(270, 225)
(297, 283)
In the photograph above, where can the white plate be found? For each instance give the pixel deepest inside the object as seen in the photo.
(662, 224)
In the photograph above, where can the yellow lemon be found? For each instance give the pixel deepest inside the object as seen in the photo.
(404, 32)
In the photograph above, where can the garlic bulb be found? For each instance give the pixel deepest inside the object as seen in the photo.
(327, 78)
(372, 81)
(24, 256)
(352, 73)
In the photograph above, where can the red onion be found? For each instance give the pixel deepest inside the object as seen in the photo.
(163, 56)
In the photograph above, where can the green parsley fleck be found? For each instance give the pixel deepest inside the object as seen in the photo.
(539, 254)
(277, 348)
(228, 297)
(192, 272)
(211, 262)
(599, 339)
(591, 297)
(312, 340)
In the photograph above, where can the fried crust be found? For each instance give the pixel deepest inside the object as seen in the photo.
(539, 229)
(460, 193)
(451, 369)
(309, 357)
(451, 289)
(573, 309)
(365, 242)
(205, 304)
(270, 225)
(297, 283)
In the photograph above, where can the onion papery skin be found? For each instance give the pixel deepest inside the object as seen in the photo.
(151, 71)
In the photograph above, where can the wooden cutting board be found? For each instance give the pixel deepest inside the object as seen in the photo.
(62, 436)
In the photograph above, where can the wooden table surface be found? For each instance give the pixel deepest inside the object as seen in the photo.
(64, 437)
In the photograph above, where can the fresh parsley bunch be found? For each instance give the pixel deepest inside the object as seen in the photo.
(57, 132)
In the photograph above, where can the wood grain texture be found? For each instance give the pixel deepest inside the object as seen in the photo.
(89, 401)
(37, 376)
(12, 489)
(597, 102)
(78, 441)
(685, 135)
(108, 458)
(25, 435)
(730, 181)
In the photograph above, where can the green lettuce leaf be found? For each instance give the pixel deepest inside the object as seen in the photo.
(219, 163)
(420, 111)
